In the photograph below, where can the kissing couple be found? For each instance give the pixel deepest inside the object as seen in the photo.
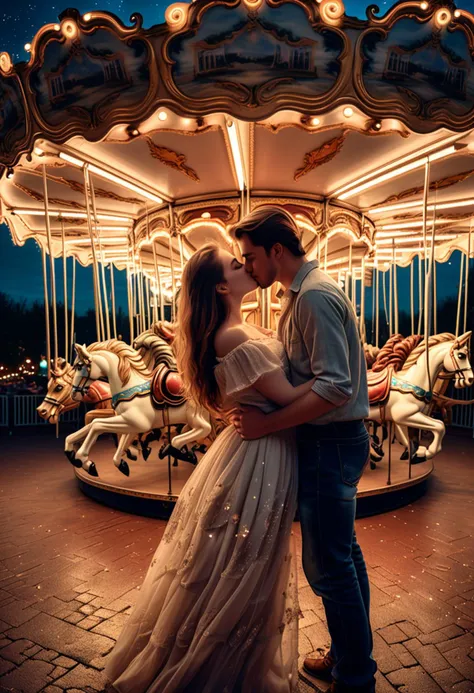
(218, 608)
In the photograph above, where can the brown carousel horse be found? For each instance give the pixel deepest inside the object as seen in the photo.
(59, 400)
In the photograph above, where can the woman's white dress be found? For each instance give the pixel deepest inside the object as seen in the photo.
(218, 611)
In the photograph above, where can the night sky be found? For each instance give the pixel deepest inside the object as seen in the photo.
(21, 274)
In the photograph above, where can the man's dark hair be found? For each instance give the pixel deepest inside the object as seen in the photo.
(268, 225)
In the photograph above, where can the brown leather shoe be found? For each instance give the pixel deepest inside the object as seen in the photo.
(320, 667)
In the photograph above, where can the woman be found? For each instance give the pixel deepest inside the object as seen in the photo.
(217, 612)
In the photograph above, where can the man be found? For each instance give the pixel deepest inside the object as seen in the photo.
(319, 330)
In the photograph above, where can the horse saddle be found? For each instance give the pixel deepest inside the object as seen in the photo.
(166, 387)
(98, 392)
(379, 385)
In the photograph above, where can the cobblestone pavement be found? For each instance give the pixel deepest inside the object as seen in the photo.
(70, 570)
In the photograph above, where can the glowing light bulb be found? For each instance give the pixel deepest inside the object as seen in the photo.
(348, 112)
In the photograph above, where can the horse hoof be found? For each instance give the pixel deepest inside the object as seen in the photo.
(92, 470)
(404, 455)
(187, 456)
(373, 465)
(71, 455)
(200, 448)
(131, 456)
(175, 462)
(164, 451)
(124, 468)
(146, 450)
(416, 460)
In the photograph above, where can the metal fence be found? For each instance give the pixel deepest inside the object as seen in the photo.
(3, 410)
(20, 410)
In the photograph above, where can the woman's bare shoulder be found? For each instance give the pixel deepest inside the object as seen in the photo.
(228, 338)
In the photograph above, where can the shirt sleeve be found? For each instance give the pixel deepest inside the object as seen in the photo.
(321, 319)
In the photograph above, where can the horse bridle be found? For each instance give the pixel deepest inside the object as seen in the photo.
(59, 402)
(86, 380)
(447, 375)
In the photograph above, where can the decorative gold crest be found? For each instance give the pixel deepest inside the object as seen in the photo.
(321, 155)
(170, 158)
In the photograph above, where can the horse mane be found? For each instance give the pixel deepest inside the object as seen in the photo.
(434, 340)
(395, 352)
(154, 349)
(129, 358)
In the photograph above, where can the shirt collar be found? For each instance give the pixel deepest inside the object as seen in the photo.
(301, 274)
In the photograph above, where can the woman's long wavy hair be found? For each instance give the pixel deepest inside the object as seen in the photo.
(201, 311)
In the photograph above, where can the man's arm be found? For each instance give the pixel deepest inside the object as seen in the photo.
(320, 317)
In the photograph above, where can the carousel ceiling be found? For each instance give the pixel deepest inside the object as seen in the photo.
(137, 145)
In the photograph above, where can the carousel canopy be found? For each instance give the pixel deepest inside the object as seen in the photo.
(126, 145)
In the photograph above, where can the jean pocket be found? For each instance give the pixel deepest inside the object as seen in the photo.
(353, 456)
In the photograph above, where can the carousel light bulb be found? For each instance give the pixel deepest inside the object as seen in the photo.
(348, 112)
(115, 179)
(206, 215)
(162, 115)
(38, 151)
(135, 132)
(424, 5)
(10, 173)
(418, 163)
(57, 27)
(419, 205)
(378, 125)
(27, 46)
(314, 122)
(235, 147)
(87, 17)
(71, 159)
(457, 14)
(412, 224)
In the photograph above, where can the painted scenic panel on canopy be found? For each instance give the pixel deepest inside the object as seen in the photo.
(12, 115)
(422, 64)
(246, 55)
(87, 76)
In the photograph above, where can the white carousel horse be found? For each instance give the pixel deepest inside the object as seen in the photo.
(142, 400)
(401, 397)
(59, 400)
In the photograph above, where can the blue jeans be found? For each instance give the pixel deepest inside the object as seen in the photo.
(331, 461)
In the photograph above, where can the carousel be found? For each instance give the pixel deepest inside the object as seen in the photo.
(127, 148)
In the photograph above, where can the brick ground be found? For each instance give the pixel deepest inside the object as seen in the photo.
(70, 570)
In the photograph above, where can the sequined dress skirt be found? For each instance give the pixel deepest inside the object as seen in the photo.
(217, 611)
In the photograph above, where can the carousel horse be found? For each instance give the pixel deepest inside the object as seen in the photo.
(393, 354)
(59, 399)
(143, 399)
(402, 396)
(154, 346)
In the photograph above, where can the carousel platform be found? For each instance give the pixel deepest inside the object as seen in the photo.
(153, 487)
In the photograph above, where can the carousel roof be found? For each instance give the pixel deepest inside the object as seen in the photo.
(139, 144)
